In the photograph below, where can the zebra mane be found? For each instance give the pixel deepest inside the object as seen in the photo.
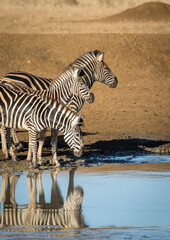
(59, 76)
(11, 86)
(84, 60)
(95, 54)
(16, 88)
(91, 54)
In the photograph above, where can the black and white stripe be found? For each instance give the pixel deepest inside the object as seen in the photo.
(95, 70)
(76, 86)
(31, 112)
(62, 89)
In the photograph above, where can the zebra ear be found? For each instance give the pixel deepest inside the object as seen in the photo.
(100, 58)
(81, 72)
(81, 120)
(77, 71)
(78, 121)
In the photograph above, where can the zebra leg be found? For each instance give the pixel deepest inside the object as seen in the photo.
(4, 141)
(54, 139)
(40, 147)
(29, 155)
(17, 143)
(33, 145)
(10, 145)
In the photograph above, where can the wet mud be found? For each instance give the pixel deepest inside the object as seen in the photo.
(118, 153)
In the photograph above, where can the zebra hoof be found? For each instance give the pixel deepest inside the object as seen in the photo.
(13, 149)
(7, 157)
(30, 162)
(14, 159)
(57, 164)
(41, 164)
(20, 148)
(35, 166)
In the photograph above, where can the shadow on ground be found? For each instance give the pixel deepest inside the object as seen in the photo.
(111, 151)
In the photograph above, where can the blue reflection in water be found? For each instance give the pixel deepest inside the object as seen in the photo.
(26, 201)
(127, 198)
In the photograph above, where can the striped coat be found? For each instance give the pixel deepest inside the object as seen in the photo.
(95, 69)
(31, 112)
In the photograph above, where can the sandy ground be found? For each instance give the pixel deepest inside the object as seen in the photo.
(135, 116)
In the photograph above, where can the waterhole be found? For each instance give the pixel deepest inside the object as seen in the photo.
(86, 205)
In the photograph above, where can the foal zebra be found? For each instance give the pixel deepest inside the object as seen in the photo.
(95, 70)
(23, 110)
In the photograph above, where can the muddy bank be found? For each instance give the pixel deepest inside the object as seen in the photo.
(9, 167)
(116, 155)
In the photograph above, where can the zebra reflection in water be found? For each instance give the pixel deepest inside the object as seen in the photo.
(58, 212)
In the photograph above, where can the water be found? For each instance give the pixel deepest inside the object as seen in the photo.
(94, 205)
(131, 159)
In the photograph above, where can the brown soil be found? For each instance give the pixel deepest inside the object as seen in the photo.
(133, 118)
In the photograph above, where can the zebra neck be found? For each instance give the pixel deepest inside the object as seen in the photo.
(60, 88)
(89, 71)
(75, 104)
(46, 94)
(42, 93)
(60, 118)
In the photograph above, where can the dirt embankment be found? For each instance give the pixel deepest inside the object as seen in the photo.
(52, 17)
(145, 12)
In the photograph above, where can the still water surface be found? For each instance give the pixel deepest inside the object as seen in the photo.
(74, 205)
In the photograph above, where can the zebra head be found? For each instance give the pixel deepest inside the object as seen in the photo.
(79, 86)
(102, 73)
(74, 137)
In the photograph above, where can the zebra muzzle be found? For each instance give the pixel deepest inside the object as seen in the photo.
(114, 83)
(91, 98)
(79, 153)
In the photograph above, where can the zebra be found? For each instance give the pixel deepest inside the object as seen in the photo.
(69, 83)
(31, 112)
(57, 212)
(95, 69)
(77, 87)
